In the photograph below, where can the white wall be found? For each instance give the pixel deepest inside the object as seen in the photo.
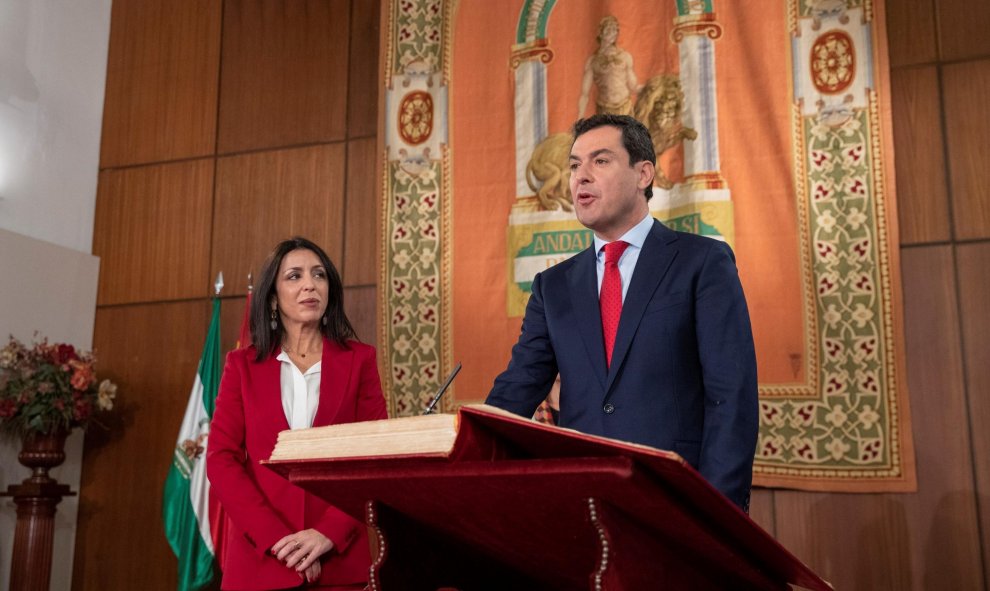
(52, 290)
(53, 56)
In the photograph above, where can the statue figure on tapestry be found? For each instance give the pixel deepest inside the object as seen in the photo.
(659, 107)
(610, 68)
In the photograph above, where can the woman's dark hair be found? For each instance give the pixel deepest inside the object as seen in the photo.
(267, 340)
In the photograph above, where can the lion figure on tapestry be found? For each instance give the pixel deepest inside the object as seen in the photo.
(659, 107)
(548, 173)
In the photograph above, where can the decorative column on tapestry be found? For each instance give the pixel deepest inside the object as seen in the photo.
(770, 122)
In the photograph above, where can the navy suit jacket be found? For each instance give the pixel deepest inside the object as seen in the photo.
(683, 373)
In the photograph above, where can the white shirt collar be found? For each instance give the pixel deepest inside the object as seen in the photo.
(635, 236)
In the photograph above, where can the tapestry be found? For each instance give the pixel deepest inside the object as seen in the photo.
(771, 121)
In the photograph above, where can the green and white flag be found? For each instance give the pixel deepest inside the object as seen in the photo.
(186, 505)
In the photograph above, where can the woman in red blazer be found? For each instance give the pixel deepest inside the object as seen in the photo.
(303, 369)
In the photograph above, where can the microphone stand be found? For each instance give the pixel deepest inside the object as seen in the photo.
(443, 388)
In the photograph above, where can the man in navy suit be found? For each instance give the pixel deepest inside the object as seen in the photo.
(678, 372)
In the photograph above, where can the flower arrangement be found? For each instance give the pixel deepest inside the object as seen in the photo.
(48, 388)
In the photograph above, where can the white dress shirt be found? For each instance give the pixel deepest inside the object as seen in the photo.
(636, 236)
(300, 392)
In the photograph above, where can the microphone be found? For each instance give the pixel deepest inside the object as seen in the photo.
(443, 388)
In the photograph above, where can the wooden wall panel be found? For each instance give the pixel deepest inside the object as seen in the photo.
(963, 26)
(266, 197)
(942, 515)
(161, 89)
(927, 540)
(966, 87)
(361, 231)
(856, 542)
(761, 509)
(152, 232)
(911, 32)
(974, 293)
(284, 73)
(922, 198)
(360, 305)
(151, 351)
(362, 88)
(231, 314)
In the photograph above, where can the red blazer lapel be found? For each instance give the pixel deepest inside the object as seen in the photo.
(268, 378)
(335, 375)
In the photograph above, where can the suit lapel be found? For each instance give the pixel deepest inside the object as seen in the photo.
(651, 267)
(582, 278)
(335, 374)
(269, 377)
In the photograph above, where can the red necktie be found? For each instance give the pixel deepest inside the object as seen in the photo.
(610, 299)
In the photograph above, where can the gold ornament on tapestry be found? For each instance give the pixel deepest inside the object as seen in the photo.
(413, 165)
(416, 117)
(538, 49)
(833, 62)
(836, 115)
(700, 24)
(823, 9)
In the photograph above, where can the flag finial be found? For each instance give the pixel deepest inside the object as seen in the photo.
(250, 283)
(219, 283)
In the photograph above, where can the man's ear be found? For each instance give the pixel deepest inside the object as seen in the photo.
(647, 172)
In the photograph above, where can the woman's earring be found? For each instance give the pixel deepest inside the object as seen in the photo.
(324, 321)
(274, 322)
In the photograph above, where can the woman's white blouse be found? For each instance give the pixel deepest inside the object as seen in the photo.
(300, 392)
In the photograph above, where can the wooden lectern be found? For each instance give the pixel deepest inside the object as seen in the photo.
(516, 505)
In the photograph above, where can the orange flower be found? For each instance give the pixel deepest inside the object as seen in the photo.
(83, 377)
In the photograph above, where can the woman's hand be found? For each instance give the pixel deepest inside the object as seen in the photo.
(312, 574)
(301, 551)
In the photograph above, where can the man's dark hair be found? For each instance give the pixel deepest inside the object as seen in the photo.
(635, 138)
(267, 340)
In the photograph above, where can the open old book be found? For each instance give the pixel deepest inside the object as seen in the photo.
(420, 435)
(440, 435)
